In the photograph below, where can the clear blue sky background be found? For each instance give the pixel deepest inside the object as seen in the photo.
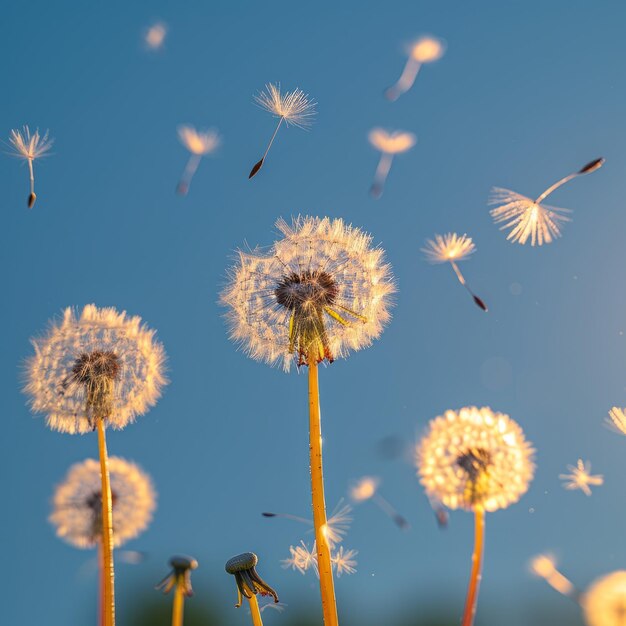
(527, 92)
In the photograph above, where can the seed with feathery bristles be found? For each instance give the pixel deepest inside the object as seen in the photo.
(389, 144)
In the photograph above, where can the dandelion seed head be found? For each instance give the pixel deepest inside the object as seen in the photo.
(199, 142)
(391, 142)
(295, 107)
(475, 457)
(319, 292)
(448, 247)
(427, 49)
(604, 603)
(525, 219)
(364, 489)
(77, 503)
(29, 146)
(344, 561)
(96, 364)
(580, 477)
(617, 419)
(154, 36)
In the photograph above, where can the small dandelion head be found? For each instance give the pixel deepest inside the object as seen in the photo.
(580, 477)
(182, 566)
(427, 49)
(77, 503)
(154, 36)
(475, 458)
(617, 419)
(526, 219)
(604, 603)
(319, 292)
(364, 488)
(391, 142)
(100, 364)
(199, 142)
(294, 107)
(448, 247)
(29, 146)
(249, 583)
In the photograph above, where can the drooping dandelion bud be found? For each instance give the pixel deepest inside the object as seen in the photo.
(249, 583)
(182, 566)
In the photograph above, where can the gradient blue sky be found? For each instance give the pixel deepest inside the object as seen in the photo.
(527, 92)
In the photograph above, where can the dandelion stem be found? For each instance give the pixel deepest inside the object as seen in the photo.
(101, 611)
(254, 610)
(327, 588)
(32, 196)
(259, 164)
(108, 574)
(554, 187)
(406, 80)
(477, 562)
(190, 170)
(478, 301)
(179, 604)
(380, 176)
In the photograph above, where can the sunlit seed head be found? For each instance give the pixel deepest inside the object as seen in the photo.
(154, 36)
(199, 142)
(77, 503)
(364, 489)
(319, 292)
(448, 247)
(604, 603)
(96, 364)
(580, 477)
(617, 419)
(294, 107)
(475, 458)
(29, 146)
(427, 49)
(391, 142)
(525, 219)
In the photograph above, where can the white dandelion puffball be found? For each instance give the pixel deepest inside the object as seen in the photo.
(77, 503)
(604, 603)
(475, 458)
(100, 364)
(319, 292)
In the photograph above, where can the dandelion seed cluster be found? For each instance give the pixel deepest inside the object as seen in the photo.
(96, 364)
(473, 458)
(321, 290)
(604, 603)
(77, 503)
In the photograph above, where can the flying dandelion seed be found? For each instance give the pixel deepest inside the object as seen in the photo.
(302, 559)
(199, 144)
(424, 50)
(29, 147)
(604, 603)
(477, 460)
(544, 566)
(525, 218)
(154, 36)
(452, 248)
(344, 561)
(617, 419)
(388, 144)
(366, 488)
(99, 369)
(581, 477)
(292, 107)
(179, 579)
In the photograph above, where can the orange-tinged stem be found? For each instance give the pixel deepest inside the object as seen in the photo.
(327, 587)
(254, 611)
(108, 574)
(477, 563)
(179, 605)
(100, 585)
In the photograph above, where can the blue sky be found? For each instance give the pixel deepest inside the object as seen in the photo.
(526, 93)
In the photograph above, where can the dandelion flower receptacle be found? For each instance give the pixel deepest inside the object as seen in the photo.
(89, 371)
(249, 583)
(294, 108)
(388, 144)
(478, 460)
(198, 143)
(526, 218)
(29, 146)
(179, 579)
(452, 248)
(319, 292)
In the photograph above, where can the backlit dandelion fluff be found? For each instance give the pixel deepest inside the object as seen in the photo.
(478, 460)
(319, 292)
(424, 50)
(303, 559)
(292, 107)
(366, 488)
(580, 477)
(388, 144)
(89, 371)
(154, 36)
(29, 146)
(77, 508)
(617, 419)
(452, 248)
(526, 219)
(544, 566)
(199, 143)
